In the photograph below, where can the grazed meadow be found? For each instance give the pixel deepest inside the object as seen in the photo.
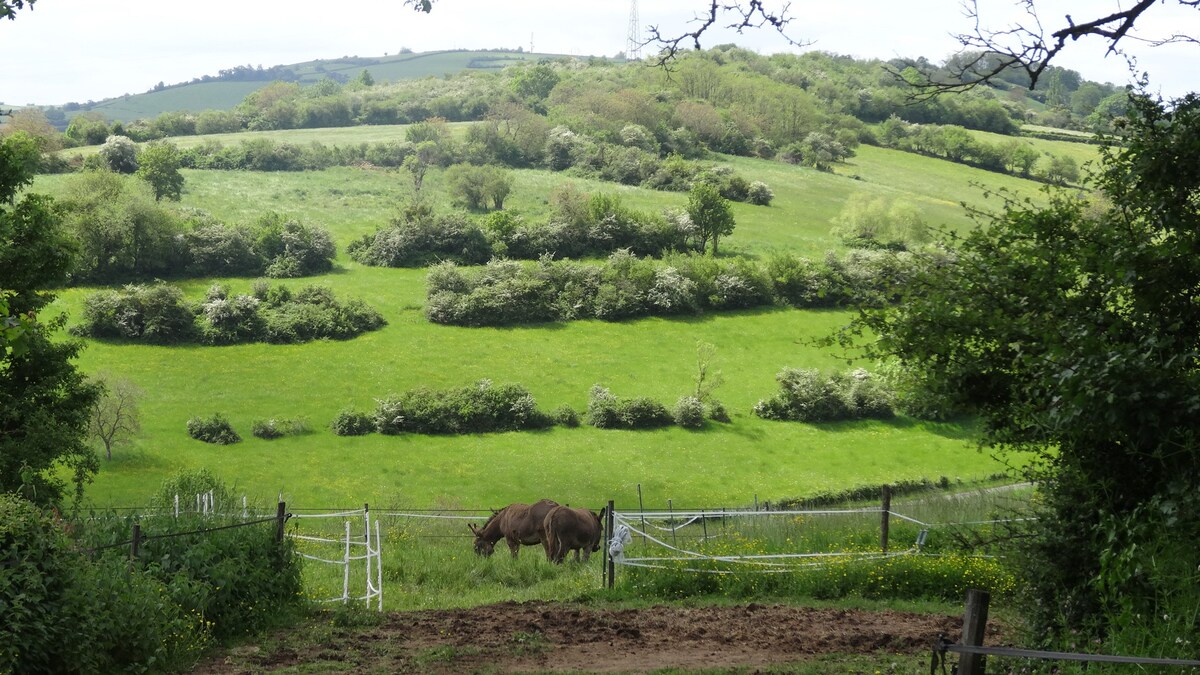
(720, 464)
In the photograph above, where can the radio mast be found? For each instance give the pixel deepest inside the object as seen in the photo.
(633, 42)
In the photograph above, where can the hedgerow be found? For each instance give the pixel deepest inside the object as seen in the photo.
(626, 286)
(808, 395)
(159, 313)
(481, 408)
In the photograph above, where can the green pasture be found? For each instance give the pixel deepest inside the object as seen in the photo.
(722, 464)
(1081, 152)
(195, 97)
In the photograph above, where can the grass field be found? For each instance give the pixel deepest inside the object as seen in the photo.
(723, 464)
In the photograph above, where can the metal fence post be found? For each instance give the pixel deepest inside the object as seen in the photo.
(884, 518)
(610, 527)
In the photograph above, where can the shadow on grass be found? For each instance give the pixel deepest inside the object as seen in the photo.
(964, 429)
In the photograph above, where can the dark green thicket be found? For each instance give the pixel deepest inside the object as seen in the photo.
(1072, 331)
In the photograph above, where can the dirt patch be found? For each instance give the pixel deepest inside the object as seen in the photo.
(540, 637)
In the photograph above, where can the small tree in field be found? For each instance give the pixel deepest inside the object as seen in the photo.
(158, 165)
(710, 213)
(115, 417)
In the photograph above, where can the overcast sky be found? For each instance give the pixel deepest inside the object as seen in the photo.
(79, 50)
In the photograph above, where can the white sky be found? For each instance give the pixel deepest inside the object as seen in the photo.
(76, 50)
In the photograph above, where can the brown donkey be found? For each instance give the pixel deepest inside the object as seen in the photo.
(516, 523)
(568, 529)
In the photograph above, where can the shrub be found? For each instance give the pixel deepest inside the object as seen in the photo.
(352, 423)
(689, 412)
(66, 613)
(606, 411)
(759, 194)
(291, 249)
(421, 241)
(717, 412)
(477, 409)
(216, 249)
(215, 429)
(273, 428)
(225, 321)
(155, 313)
(566, 416)
(809, 396)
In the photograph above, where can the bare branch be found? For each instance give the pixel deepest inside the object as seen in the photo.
(750, 14)
(1027, 46)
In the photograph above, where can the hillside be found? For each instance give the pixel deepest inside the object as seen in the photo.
(558, 363)
(223, 92)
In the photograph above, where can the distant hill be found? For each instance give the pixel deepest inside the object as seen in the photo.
(226, 90)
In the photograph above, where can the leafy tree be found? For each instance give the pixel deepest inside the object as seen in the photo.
(710, 214)
(1072, 330)
(115, 417)
(476, 186)
(121, 231)
(534, 84)
(44, 401)
(87, 128)
(364, 78)
(158, 165)
(35, 123)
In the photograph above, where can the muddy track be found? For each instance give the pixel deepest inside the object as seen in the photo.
(536, 636)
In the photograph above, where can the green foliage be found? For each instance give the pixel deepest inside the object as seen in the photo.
(606, 411)
(352, 423)
(877, 221)
(158, 165)
(689, 412)
(155, 313)
(807, 395)
(274, 427)
(66, 613)
(479, 186)
(119, 154)
(122, 232)
(482, 408)
(215, 429)
(44, 400)
(292, 249)
(710, 214)
(420, 239)
(159, 313)
(1065, 329)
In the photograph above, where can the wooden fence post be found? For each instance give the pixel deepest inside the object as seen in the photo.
(136, 543)
(609, 527)
(280, 521)
(884, 517)
(974, 625)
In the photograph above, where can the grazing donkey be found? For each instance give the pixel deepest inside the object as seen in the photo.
(516, 523)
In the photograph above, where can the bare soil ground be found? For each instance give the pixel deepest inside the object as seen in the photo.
(555, 637)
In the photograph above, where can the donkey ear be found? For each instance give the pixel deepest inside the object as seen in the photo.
(603, 509)
(471, 527)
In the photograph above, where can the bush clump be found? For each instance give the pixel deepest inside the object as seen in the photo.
(689, 412)
(481, 408)
(158, 313)
(215, 429)
(807, 395)
(65, 612)
(421, 239)
(352, 423)
(273, 428)
(606, 411)
(155, 313)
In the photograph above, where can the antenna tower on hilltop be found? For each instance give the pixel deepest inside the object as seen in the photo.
(633, 42)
